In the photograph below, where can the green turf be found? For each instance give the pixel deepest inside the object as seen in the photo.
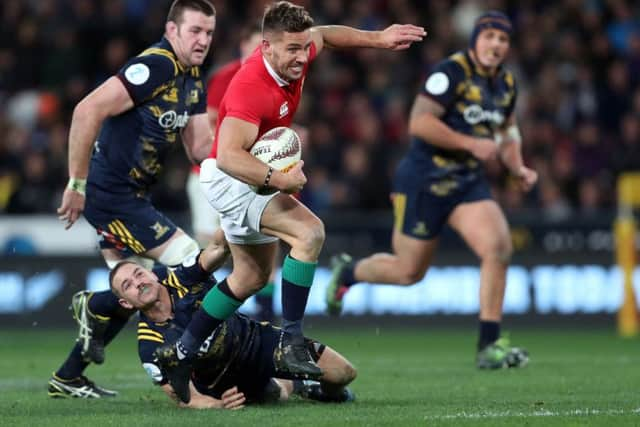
(406, 378)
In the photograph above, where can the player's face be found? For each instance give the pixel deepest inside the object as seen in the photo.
(492, 47)
(288, 53)
(137, 286)
(191, 38)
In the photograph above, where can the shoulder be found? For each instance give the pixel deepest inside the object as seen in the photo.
(147, 331)
(507, 77)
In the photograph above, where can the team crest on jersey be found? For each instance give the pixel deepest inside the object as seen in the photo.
(160, 230)
(284, 109)
(193, 97)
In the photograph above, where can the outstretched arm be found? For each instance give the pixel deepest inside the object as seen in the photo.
(231, 399)
(394, 37)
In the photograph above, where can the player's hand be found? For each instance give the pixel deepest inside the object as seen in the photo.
(295, 179)
(233, 399)
(400, 37)
(526, 177)
(71, 207)
(484, 149)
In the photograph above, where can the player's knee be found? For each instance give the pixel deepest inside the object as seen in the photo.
(501, 251)
(311, 237)
(348, 374)
(410, 274)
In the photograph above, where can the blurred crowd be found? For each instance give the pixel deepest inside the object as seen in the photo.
(576, 62)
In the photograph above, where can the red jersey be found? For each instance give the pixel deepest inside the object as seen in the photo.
(216, 86)
(254, 95)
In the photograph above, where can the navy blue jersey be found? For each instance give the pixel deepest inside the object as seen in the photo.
(431, 181)
(475, 104)
(131, 147)
(237, 353)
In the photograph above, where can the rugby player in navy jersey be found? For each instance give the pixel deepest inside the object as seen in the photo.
(235, 365)
(130, 122)
(463, 116)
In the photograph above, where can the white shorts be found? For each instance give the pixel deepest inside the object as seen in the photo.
(204, 220)
(240, 208)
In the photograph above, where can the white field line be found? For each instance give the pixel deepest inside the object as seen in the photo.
(537, 413)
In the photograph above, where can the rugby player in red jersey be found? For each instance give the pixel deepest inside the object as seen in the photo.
(265, 94)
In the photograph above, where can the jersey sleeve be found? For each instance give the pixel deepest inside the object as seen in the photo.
(148, 341)
(216, 87)
(143, 75)
(440, 85)
(252, 109)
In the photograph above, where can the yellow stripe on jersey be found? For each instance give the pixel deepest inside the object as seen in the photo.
(150, 338)
(118, 228)
(462, 60)
(399, 210)
(177, 67)
(173, 281)
(142, 331)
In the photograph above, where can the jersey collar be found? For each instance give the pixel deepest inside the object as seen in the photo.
(281, 82)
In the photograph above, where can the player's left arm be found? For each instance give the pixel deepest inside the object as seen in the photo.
(231, 399)
(510, 142)
(394, 37)
(197, 137)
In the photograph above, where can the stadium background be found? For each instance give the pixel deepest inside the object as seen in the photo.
(577, 65)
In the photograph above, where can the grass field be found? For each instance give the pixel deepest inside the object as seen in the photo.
(406, 378)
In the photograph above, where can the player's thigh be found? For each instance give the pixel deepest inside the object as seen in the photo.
(288, 219)
(336, 369)
(483, 226)
(414, 255)
(252, 266)
(204, 219)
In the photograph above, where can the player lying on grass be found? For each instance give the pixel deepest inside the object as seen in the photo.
(235, 365)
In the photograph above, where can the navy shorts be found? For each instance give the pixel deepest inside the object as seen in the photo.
(126, 222)
(253, 374)
(422, 205)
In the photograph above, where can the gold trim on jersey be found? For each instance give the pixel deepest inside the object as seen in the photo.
(146, 333)
(117, 228)
(177, 66)
(173, 282)
(399, 210)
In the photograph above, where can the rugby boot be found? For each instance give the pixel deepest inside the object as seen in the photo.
(176, 371)
(500, 354)
(80, 387)
(336, 289)
(292, 359)
(313, 390)
(91, 328)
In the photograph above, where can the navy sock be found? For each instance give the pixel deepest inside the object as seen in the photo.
(489, 332)
(104, 304)
(74, 366)
(220, 301)
(347, 276)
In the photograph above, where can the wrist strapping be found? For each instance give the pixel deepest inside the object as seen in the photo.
(78, 185)
(267, 178)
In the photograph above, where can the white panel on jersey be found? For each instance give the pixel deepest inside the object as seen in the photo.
(437, 83)
(137, 74)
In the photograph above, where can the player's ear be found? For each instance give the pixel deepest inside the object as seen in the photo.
(265, 45)
(171, 28)
(124, 303)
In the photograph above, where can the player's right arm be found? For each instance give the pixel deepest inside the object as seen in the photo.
(235, 138)
(109, 99)
(430, 105)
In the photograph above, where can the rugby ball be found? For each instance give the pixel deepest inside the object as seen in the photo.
(280, 148)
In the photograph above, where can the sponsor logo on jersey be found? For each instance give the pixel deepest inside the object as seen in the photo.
(172, 120)
(420, 229)
(160, 230)
(474, 114)
(137, 74)
(284, 109)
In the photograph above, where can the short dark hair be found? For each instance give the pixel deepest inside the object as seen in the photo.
(286, 16)
(179, 6)
(113, 272)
